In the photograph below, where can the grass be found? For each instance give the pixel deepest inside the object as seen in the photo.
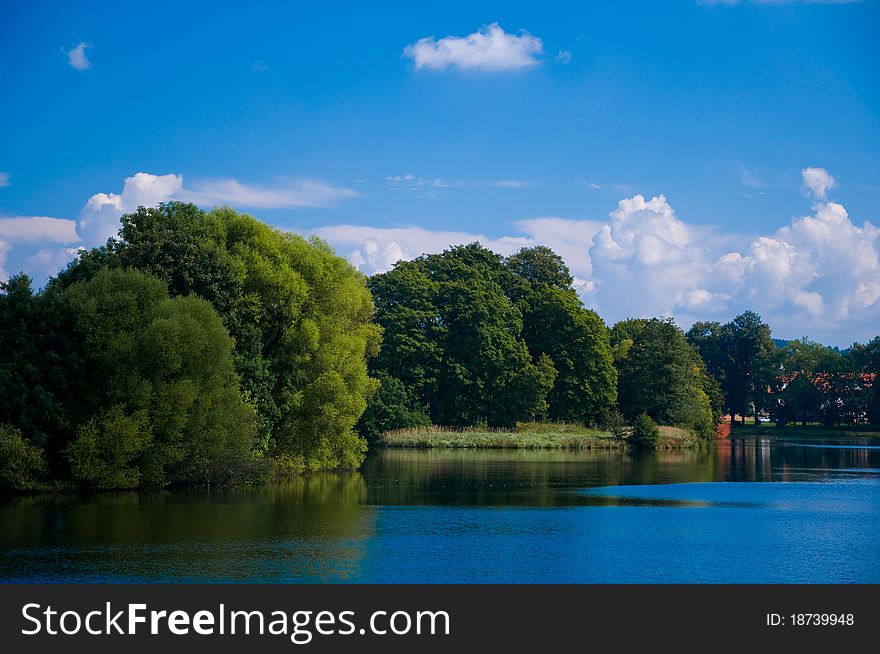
(813, 430)
(530, 435)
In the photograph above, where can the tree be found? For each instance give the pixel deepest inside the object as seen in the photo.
(645, 432)
(22, 465)
(556, 324)
(164, 404)
(865, 362)
(42, 380)
(661, 375)
(300, 318)
(392, 406)
(740, 355)
(454, 337)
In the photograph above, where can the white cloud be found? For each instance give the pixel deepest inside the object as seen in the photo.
(4, 179)
(4, 249)
(24, 229)
(489, 49)
(99, 218)
(563, 57)
(377, 249)
(259, 67)
(289, 194)
(431, 186)
(77, 58)
(818, 275)
(818, 182)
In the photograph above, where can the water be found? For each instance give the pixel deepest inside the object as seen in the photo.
(770, 510)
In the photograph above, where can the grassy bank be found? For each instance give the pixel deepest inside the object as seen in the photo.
(531, 435)
(803, 431)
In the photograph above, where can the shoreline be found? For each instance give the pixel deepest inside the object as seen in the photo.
(532, 436)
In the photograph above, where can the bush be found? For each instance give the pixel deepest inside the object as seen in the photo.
(22, 466)
(392, 406)
(645, 432)
(614, 423)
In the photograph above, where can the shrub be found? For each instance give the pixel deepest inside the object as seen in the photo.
(645, 432)
(392, 406)
(22, 466)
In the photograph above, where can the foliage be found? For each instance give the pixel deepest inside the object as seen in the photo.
(42, 379)
(300, 318)
(575, 339)
(741, 356)
(454, 337)
(393, 406)
(645, 432)
(22, 466)
(165, 405)
(662, 376)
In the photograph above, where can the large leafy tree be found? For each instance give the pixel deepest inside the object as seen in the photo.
(741, 356)
(556, 324)
(454, 336)
(300, 317)
(164, 404)
(661, 375)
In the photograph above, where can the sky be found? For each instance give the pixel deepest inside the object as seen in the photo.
(687, 159)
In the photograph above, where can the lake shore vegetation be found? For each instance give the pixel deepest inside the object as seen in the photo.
(208, 348)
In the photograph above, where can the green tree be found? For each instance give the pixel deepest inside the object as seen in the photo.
(42, 382)
(645, 432)
(864, 360)
(454, 336)
(300, 318)
(164, 404)
(22, 465)
(741, 356)
(392, 406)
(661, 375)
(556, 324)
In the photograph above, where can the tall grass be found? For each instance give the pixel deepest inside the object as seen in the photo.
(530, 435)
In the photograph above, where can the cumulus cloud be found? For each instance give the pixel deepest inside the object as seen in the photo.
(819, 275)
(563, 57)
(4, 179)
(488, 49)
(377, 249)
(817, 181)
(41, 245)
(24, 229)
(76, 57)
(99, 218)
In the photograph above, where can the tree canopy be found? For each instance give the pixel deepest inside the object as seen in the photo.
(300, 318)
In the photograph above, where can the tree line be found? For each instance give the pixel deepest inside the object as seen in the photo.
(209, 348)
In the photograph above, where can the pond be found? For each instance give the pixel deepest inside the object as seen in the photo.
(749, 510)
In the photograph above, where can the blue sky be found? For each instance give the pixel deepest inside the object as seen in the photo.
(660, 147)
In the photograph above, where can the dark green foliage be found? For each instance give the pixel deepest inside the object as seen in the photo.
(164, 403)
(392, 406)
(741, 356)
(556, 324)
(42, 380)
(662, 376)
(300, 318)
(454, 336)
(22, 466)
(645, 432)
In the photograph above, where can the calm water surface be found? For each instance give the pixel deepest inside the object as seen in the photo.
(770, 510)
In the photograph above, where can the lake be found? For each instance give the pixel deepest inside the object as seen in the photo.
(750, 510)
